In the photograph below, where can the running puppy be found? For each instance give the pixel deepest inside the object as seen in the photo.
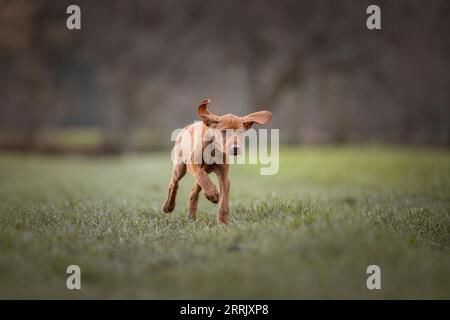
(217, 133)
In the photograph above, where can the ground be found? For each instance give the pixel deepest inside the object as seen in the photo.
(308, 232)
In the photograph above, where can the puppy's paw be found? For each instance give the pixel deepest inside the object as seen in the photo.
(168, 207)
(212, 195)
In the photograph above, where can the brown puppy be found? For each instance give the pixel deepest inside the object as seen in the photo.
(228, 127)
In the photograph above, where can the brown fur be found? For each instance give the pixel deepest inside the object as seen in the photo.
(200, 171)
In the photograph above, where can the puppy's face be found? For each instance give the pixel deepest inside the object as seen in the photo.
(228, 130)
(229, 134)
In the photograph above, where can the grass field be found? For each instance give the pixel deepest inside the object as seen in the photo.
(308, 232)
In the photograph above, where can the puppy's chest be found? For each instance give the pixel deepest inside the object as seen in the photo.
(210, 167)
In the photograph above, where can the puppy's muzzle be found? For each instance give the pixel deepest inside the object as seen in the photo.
(235, 150)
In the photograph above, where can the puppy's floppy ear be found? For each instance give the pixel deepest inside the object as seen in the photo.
(259, 117)
(209, 119)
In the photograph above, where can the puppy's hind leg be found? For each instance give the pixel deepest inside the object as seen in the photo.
(178, 172)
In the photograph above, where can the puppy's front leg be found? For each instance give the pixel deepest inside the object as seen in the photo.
(224, 183)
(193, 201)
(202, 178)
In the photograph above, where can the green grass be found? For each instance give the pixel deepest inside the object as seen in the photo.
(308, 232)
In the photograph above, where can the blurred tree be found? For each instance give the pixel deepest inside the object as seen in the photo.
(139, 63)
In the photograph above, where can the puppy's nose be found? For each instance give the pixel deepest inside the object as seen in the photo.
(235, 150)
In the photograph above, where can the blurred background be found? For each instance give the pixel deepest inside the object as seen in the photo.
(138, 69)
